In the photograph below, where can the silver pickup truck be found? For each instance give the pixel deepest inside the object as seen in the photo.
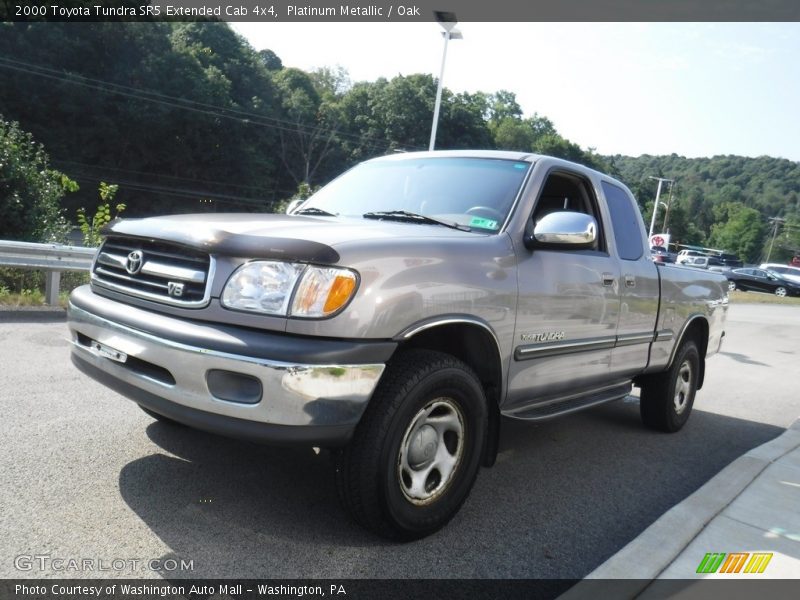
(396, 315)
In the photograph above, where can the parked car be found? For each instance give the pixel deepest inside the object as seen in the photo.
(718, 269)
(785, 271)
(698, 262)
(396, 315)
(705, 262)
(685, 256)
(761, 280)
(661, 255)
(729, 260)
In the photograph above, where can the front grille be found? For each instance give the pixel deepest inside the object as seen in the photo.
(154, 270)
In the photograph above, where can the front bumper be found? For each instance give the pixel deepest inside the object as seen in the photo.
(163, 363)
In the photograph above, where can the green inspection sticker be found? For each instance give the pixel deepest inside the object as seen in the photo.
(483, 223)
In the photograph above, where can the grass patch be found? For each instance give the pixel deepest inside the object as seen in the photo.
(740, 297)
(25, 287)
(28, 298)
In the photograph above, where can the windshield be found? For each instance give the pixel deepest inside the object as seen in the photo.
(476, 193)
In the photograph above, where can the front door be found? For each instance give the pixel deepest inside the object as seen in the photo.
(568, 307)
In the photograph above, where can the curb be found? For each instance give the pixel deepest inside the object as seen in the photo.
(662, 542)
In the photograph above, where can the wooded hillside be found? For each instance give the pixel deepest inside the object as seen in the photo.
(187, 117)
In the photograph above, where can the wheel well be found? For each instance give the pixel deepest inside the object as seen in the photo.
(475, 346)
(698, 331)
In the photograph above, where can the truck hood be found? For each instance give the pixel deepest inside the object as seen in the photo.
(292, 237)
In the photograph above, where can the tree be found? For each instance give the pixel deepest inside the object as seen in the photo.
(30, 191)
(92, 229)
(270, 60)
(739, 229)
(173, 112)
(503, 105)
(311, 135)
(787, 240)
(331, 81)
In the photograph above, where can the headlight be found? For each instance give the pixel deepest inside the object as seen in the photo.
(268, 286)
(263, 286)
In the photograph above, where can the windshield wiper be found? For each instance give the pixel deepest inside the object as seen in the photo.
(313, 210)
(404, 215)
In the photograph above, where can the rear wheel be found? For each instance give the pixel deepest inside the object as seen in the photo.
(780, 291)
(416, 452)
(667, 398)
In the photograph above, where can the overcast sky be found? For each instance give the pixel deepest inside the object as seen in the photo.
(697, 89)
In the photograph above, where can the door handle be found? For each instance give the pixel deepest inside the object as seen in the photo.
(630, 281)
(608, 279)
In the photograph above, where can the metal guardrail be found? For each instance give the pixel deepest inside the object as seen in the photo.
(52, 258)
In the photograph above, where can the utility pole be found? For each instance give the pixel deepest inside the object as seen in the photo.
(775, 222)
(660, 180)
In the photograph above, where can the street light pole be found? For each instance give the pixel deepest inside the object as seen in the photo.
(660, 180)
(669, 203)
(448, 22)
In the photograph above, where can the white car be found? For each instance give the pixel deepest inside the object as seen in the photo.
(785, 271)
(688, 256)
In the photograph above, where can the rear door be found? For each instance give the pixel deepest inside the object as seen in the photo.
(639, 284)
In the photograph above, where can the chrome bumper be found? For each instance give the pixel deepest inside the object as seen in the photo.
(293, 395)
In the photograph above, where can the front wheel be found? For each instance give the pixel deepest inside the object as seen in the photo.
(417, 450)
(667, 398)
(780, 292)
(731, 286)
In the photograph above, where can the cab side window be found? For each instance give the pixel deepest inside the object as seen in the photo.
(625, 220)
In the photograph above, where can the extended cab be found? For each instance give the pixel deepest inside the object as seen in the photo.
(396, 315)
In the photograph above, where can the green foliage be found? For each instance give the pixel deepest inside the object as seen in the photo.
(180, 113)
(787, 240)
(270, 60)
(304, 190)
(91, 229)
(30, 191)
(176, 112)
(708, 196)
(739, 229)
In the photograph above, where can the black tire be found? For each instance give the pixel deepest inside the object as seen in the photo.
(419, 391)
(159, 417)
(667, 398)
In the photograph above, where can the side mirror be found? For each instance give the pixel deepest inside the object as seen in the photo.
(293, 205)
(564, 229)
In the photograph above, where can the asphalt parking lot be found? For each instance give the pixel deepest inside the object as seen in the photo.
(87, 475)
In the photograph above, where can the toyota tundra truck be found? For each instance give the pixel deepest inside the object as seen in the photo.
(396, 315)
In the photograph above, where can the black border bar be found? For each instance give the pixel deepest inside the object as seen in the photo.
(300, 11)
(390, 589)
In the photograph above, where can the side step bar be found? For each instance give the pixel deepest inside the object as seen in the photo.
(570, 404)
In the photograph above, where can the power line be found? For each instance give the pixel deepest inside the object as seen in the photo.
(154, 174)
(182, 192)
(775, 222)
(185, 103)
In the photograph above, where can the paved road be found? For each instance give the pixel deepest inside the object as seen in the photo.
(85, 474)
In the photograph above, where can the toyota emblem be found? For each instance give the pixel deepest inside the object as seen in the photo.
(134, 262)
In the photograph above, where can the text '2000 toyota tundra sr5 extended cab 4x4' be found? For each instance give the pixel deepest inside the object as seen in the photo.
(395, 315)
